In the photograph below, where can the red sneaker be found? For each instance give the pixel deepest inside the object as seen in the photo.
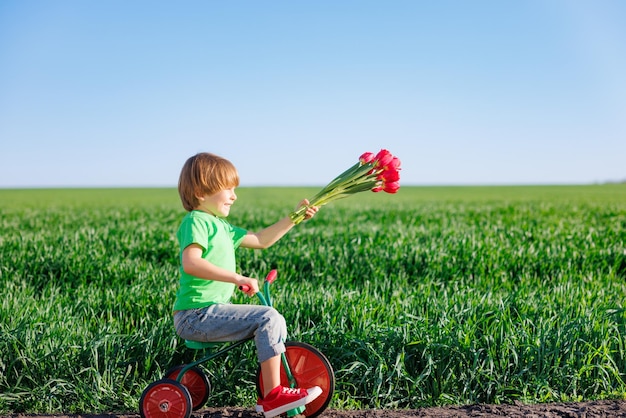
(282, 399)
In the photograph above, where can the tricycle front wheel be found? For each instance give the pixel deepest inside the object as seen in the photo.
(309, 368)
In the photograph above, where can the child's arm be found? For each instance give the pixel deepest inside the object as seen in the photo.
(268, 236)
(195, 265)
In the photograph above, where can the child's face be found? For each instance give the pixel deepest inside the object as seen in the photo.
(219, 203)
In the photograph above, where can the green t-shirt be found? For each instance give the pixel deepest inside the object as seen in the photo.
(218, 240)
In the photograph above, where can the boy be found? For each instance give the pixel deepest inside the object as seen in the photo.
(202, 311)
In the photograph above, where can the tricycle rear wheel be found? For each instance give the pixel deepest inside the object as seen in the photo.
(165, 398)
(196, 382)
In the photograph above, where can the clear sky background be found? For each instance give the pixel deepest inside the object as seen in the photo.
(121, 93)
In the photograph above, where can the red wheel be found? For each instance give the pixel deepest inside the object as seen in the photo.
(196, 382)
(310, 368)
(165, 398)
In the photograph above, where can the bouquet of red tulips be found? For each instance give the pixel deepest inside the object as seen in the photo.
(375, 172)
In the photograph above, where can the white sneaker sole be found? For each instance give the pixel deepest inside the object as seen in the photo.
(313, 393)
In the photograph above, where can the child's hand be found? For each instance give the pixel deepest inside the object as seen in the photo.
(310, 211)
(248, 285)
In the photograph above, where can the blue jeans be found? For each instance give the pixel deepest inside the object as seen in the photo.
(234, 322)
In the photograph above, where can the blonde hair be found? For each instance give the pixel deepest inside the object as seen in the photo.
(205, 173)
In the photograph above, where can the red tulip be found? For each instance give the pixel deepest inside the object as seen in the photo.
(391, 187)
(389, 175)
(366, 157)
(383, 158)
(394, 164)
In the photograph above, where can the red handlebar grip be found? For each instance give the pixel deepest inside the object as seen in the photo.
(244, 288)
(271, 276)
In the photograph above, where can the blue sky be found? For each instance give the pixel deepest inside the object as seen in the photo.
(120, 93)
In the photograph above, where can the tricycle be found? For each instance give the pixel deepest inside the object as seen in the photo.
(186, 388)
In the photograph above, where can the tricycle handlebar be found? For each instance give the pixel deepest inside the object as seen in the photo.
(271, 276)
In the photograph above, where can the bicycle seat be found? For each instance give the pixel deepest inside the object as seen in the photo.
(199, 345)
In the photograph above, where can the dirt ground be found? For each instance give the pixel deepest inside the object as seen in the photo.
(605, 409)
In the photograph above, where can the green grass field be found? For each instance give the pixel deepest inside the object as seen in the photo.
(433, 296)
